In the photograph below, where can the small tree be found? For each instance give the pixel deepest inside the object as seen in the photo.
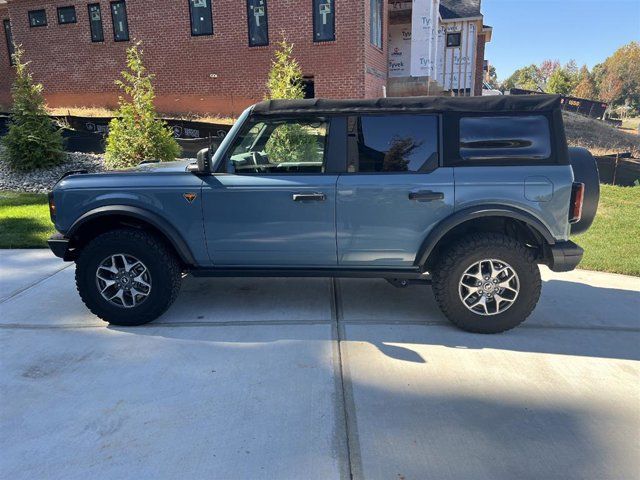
(492, 77)
(528, 78)
(136, 135)
(290, 141)
(285, 76)
(560, 82)
(33, 141)
(586, 87)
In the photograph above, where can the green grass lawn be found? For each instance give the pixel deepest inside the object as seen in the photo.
(612, 244)
(24, 220)
(631, 123)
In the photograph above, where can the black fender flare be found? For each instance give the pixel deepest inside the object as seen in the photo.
(480, 211)
(162, 225)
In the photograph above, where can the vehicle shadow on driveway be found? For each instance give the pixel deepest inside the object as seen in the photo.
(571, 319)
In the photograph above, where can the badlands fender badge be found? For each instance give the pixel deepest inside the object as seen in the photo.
(189, 197)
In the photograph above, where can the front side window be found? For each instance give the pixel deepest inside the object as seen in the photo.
(258, 23)
(120, 21)
(376, 22)
(66, 15)
(393, 143)
(95, 23)
(9, 37)
(453, 39)
(201, 17)
(280, 146)
(38, 18)
(505, 138)
(324, 20)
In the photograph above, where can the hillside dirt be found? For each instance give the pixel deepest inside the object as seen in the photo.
(599, 137)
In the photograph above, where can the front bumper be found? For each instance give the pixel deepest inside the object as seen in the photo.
(60, 247)
(564, 256)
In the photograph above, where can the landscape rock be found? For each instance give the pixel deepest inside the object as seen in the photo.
(43, 180)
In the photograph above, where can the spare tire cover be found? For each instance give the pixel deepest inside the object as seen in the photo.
(585, 170)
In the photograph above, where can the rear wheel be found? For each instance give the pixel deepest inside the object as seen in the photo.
(487, 283)
(127, 277)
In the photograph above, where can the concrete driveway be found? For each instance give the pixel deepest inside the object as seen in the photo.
(316, 379)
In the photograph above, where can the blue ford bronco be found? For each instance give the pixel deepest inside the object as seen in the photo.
(467, 194)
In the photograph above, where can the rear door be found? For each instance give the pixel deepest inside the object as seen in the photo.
(395, 189)
(273, 202)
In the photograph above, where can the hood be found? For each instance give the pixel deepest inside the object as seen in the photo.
(146, 174)
(157, 167)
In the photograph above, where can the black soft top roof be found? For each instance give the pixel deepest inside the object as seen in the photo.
(496, 103)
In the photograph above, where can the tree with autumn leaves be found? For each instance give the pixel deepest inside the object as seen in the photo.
(615, 81)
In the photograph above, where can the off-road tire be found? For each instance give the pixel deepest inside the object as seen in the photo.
(473, 248)
(163, 267)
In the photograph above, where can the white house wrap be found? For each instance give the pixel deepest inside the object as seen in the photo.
(424, 24)
(434, 43)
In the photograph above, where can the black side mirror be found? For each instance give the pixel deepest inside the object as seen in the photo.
(204, 161)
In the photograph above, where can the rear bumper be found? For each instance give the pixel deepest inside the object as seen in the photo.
(59, 245)
(564, 256)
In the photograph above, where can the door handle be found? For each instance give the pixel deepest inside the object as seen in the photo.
(425, 196)
(309, 197)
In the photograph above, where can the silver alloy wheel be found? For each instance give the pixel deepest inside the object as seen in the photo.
(489, 287)
(123, 280)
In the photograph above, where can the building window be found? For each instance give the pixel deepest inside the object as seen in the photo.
(95, 23)
(258, 23)
(120, 22)
(9, 36)
(66, 15)
(376, 15)
(324, 20)
(453, 39)
(38, 18)
(394, 143)
(201, 17)
(505, 138)
(309, 87)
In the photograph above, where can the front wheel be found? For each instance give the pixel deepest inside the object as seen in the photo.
(487, 283)
(127, 277)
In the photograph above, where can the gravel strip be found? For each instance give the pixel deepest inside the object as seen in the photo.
(41, 181)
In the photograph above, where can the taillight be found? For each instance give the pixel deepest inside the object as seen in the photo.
(52, 207)
(577, 199)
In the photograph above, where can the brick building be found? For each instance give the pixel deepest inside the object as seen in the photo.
(212, 56)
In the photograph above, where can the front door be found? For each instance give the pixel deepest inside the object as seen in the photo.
(394, 191)
(273, 203)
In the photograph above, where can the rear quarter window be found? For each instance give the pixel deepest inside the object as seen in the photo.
(518, 138)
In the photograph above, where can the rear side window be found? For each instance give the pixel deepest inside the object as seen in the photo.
(505, 138)
(393, 143)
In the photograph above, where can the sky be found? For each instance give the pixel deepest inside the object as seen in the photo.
(530, 31)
